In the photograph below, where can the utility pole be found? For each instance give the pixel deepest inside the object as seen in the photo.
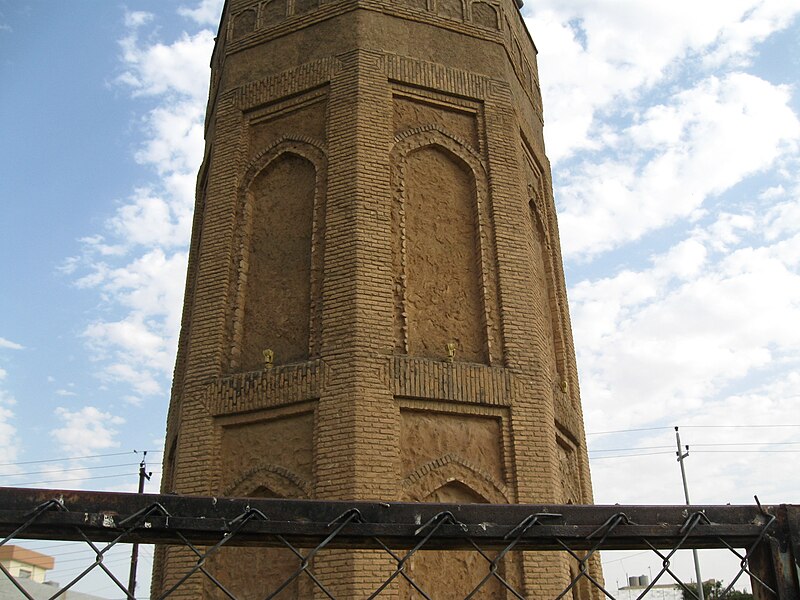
(681, 456)
(143, 475)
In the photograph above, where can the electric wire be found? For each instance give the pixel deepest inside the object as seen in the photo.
(627, 455)
(632, 430)
(125, 474)
(747, 451)
(739, 426)
(635, 450)
(628, 430)
(614, 560)
(748, 444)
(72, 469)
(88, 456)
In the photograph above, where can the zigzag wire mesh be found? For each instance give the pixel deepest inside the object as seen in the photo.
(426, 532)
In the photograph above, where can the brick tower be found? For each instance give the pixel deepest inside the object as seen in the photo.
(375, 304)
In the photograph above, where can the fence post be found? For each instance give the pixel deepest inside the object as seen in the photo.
(777, 559)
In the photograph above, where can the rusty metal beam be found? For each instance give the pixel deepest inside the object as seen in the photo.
(159, 519)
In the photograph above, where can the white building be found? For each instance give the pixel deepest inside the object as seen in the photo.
(637, 585)
(28, 570)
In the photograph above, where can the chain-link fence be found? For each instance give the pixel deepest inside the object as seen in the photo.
(194, 533)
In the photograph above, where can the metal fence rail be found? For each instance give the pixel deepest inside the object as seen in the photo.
(765, 539)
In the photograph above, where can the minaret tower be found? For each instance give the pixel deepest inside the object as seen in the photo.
(375, 303)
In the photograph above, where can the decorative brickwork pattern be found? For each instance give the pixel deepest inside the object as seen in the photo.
(455, 382)
(257, 390)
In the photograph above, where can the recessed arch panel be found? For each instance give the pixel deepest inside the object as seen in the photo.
(451, 9)
(452, 480)
(439, 251)
(280, 260)
(269, 481)
(543, 292)
(432, 479)
(485, 15)
(273, 12)
(237, 566)
(244, 23)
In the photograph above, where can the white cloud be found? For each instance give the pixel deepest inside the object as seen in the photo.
(704, 141)
(151, 285)
(143, 381)
(684, 260)
(138, 263)
(9, 345)
(72, 475)
(133, 400)
(173, 69)
(134, 19)
(772, 193)
(760, 20)
(206, 13)
(653, 122)
(727, 231)
(603, 54)
(731, 440)
(86, 431)
(139, 349)
(703, 316)
(149, 220)
(663, 139)
(175, 135)
(783, 217)
(63, 392)
(131, 334)
(9, 444)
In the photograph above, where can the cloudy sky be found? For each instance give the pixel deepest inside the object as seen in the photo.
(674, 133)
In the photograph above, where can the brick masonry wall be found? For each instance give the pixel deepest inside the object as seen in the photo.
(357, 91)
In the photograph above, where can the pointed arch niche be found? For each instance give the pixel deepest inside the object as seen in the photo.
(545, 288)
(281, 255)
(441, 240)
(454, 480)
(543, 292)
(271, 564)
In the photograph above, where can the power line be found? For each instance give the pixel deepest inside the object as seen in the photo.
(608, 562)
(693, 427)
(46, 460)
(747, 451)
(107, 560)
(56, 545)
(737, 426)
(126, 474)
(627, 455)
(72, 469)
(628, 430)
(749, 444)
(637, 454)
(706, 445)
(631, 449)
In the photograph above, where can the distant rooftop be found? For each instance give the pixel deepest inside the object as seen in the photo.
(23, 555)
(28, 570)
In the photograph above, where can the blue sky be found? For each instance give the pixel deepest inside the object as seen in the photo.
(674, 133)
